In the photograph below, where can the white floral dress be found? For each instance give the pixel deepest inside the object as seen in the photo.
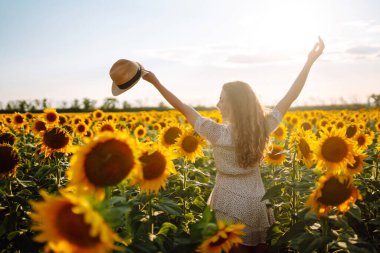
(237, 192)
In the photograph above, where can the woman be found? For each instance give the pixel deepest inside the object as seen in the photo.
(238, 149)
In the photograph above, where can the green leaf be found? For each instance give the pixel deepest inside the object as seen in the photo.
(273, 192)
(168, 206)
(166, 227)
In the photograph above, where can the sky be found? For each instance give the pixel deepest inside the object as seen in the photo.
(63, 50)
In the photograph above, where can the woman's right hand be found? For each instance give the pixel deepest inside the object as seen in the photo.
(148, 76)
(316, 51)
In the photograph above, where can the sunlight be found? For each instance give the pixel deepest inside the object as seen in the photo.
(291, 25)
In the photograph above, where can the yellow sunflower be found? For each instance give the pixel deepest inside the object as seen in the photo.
(169, 135)
(18, 120)
(352, 130)
(306, 125)
(139, 131)
(275, 155)
(356, 167)
(363, 140)
(226, 237)
(10, 160)
(333, 191)
(7, 137)
(104, 161)
(68, 223)
(334, 150)
(304, 142)
(80, 129)
(55, 139)
(377, 126)
(51, 116)
(156, 166)
(105, 126)
(98, 114)
(281, 133)
(38, 126)
(189, 146)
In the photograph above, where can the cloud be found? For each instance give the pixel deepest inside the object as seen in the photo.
(363, 50)
(254, 59)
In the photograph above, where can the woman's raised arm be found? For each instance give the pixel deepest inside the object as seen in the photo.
(189, 112)
(298, 84)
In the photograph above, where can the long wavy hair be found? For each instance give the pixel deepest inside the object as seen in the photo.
(247, 119)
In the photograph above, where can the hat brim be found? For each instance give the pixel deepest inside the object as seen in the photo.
(117, 91)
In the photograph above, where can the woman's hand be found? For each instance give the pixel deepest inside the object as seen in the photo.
(148, 76)
(316, 51)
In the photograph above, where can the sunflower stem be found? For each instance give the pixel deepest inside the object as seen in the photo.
(294, 197)
(184, 186)
(150, 210)
(376, 166)
(325, 227)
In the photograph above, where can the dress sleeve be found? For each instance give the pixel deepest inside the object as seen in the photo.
(274, 119)
(208, 128)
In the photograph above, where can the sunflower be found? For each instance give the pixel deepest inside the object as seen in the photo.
(334, 150)
(80, 129)
(68, 223)
(226, 237)
(352, 130)
(105, 126)
(9, 160)
(333, 191)
(7, 138)
(169, 135)
(363, 140)
(156, 165)
(356, 167)
(139, 131)
(18, 120)
(38, 126)
(275, 155)
(98, 114)
(104, 161)
(306, 125)
(51, 116)
(304, 142)
(55, 139)
(281, 133)
(189, 146)
(377, 126)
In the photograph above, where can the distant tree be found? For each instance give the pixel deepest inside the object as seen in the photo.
(1, 105)
(44, 103)
(88, 104)
(162, 105)
(22, 105)
(109, 104)
(376, 99)
(75, 106)
(126, 105)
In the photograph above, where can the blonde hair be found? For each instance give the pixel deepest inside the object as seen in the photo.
(249, 130)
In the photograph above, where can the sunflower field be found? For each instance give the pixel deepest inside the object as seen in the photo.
(139, 182)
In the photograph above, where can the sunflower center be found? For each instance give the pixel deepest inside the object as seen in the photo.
(40, 126)
(275, 154)
(351, 131)
(106, 127)
(306, 126)
(153, 165)
(334, 192)
(140, 132)
(19, 119)
(51, 117)
(171, 135)
(189, 144)
(334, 149)
(340, 125)
(361, 140)
(73, 227)
(7, 138)
(98, 115)
(305, 148)
(56, 138)
(81, 128)
(9, 159)
(109, 163)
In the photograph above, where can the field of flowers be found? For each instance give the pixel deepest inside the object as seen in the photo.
(139, 182)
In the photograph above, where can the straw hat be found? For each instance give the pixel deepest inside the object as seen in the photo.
(125, 74)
